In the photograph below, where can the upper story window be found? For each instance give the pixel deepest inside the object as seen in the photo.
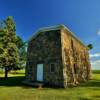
(72, 44)
(52, 68)
(75, 69)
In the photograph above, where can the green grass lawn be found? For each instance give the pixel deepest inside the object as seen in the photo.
(13, 89)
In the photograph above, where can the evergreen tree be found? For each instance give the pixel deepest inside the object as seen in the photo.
(9, 56)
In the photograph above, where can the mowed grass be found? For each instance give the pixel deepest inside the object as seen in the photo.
(13, 89)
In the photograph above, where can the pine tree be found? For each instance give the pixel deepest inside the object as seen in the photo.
(9, 57)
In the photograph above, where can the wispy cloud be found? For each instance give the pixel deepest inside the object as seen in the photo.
(95, 64)
(98, 33)
(95, 60)
(94, 55)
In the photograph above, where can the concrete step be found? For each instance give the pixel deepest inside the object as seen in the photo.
(31, 83)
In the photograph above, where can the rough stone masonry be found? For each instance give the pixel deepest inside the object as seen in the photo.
(64, 58)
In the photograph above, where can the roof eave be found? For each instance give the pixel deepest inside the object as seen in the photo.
(61, 26)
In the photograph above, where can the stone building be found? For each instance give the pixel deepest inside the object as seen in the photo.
(55, 56)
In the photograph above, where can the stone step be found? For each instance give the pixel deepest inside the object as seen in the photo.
(37, 84)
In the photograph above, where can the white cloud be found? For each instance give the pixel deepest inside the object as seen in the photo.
(98, 32)
(95, 55)
(95, 64)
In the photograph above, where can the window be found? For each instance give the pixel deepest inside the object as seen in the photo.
(52, 68)
(72, 46)
(75, 69)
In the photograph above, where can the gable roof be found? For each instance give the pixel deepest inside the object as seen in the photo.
(55, 28)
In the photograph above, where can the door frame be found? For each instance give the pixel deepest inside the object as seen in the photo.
(39, 72)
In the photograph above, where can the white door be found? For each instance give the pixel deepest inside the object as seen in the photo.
(39, 72)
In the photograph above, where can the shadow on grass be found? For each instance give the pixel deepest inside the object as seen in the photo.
(17, 81)
(97, 96)
(12, 81)
(84, 98)
(93, 82)
(96, 71)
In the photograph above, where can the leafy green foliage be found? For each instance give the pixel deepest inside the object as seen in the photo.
(90, 46)
(22, 51)
(9, 57)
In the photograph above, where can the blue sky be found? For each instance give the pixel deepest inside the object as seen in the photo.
(82, 17)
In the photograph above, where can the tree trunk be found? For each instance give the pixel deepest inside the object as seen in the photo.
(6, 72)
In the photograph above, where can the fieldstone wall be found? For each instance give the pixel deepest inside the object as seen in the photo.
(75, 60)
(59, 47)
(45, 48)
